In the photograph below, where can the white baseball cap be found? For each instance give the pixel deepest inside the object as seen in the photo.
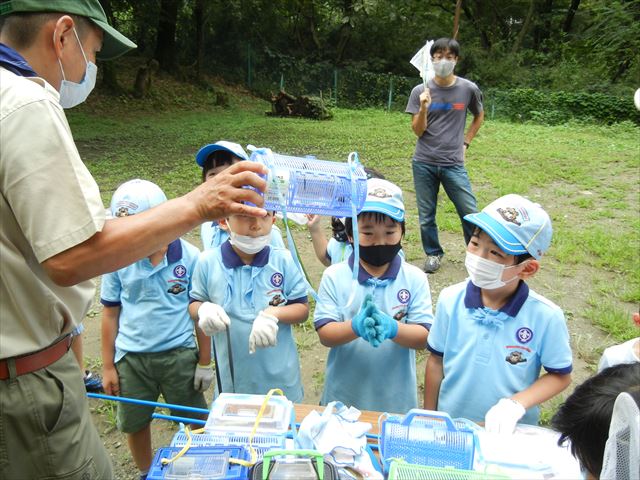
(136, 196)
(384, 197)
(230, 147)
(517, 225)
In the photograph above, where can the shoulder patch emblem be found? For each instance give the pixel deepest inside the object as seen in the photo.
(180, 271)
(277, 279)
(404, 296)
(524, 335)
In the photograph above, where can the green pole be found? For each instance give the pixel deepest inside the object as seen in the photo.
(335, 86)
(390, 93)
(249, 65)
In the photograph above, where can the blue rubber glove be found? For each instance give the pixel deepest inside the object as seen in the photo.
(359, 324)
(386, 326)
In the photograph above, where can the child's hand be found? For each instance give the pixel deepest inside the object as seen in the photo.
(503, 416)
(359, 324)
(202, 378)
(264, 332)
(386, 326)
(313, 222)
(111, 381)
(212, 318)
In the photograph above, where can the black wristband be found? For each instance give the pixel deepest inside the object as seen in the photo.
(466, 144)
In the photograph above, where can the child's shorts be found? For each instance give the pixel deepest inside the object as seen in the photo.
(144, 376)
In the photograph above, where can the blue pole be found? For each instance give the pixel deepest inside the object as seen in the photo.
(178, 419)
(148, 403)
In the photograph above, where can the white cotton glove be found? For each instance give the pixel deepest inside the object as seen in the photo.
(212, 318)
(503, 416)
(202, 378)
(264, 332)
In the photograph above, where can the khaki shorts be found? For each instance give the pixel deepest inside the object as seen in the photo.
(144, 376)
(46, 429)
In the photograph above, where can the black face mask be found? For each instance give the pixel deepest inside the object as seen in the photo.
(378, 255)
(339, 231)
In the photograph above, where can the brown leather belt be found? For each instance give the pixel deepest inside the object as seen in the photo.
(31, 362)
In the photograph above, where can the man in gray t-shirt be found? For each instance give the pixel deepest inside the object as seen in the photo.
(438, 119)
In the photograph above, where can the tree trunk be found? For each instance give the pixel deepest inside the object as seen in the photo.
(571, 12)
(198, 18)
(108, 69)
(485, 41)
(166, 39)
(525, 27)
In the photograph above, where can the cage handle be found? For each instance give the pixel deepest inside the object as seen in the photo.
(440, 416)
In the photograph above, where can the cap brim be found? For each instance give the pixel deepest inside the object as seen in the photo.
(114, 43)
(395, 213)
(500, 235)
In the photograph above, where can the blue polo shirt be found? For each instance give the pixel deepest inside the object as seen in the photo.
(383, 378)
(154, 301)
(338, 251)
(490, 354)
(213, 236)
(272, 278)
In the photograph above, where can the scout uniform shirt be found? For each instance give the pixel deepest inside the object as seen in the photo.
(382, 378)
(49, 203)
(154, 315)
(272, 279)
(491, 354)
(213, 236)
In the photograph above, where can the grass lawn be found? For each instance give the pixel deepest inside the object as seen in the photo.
(586, 176)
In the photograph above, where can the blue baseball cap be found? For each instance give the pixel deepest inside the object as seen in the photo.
(136, 196)
(384, 197)
(516, 225)
(230, 147)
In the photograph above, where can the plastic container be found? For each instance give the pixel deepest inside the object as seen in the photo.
(294, 465)
(261, 443)
(425, 437)
(407, 471)
(198, 463)
(234, 413)
(309, 185)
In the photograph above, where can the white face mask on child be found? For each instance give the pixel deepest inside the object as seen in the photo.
(249, 245)
(485, 273)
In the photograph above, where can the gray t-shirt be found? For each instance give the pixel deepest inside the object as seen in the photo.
(442, 142)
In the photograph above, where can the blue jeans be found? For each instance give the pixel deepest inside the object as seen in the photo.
(455, 181)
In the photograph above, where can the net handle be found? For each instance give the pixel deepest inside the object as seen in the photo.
(440, 416)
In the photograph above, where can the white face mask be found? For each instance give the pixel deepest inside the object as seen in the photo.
(485, 273)
(249, 245)
(71, 93)
(443, 68)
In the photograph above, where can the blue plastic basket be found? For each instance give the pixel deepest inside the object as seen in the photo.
(309, 185)
(424, 437)
(211, 463)
(261, 443)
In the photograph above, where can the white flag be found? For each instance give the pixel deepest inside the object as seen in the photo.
(422, 61)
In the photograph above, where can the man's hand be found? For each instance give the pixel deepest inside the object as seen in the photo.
(202, 378)
(425, 100)
(212, 318)
(111, 381)
(224, 195)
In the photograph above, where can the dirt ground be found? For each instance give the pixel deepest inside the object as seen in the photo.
(571, 293)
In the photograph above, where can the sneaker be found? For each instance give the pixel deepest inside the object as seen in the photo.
(432, 263)
(92, 382)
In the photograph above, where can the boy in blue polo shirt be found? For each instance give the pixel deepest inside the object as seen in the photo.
(391, 302)
(148, 345)
(492, 334)
(247, 295)
(213, 159)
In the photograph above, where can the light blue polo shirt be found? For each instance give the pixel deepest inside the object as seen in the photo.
(154, 301)
(491, 354)
(243, 290)
(338, 251)
(383, 378)
(213, 236)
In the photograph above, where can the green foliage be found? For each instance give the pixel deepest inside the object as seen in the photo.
(611, 318)
(553, 108)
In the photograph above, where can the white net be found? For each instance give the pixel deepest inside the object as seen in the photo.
(622, 452)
